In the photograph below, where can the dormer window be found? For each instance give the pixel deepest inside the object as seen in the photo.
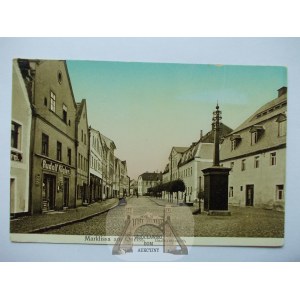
(256, 133)
(235, 140)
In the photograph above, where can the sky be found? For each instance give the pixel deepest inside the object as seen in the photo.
(147, 108)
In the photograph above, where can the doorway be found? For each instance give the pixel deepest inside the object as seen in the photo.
(66, 192)
(249, 195)
(12, 194)
(48, 193)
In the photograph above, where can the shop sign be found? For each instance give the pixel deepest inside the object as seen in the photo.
(55, 167)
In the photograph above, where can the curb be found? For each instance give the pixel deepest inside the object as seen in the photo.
(55, 226)
(161, 204)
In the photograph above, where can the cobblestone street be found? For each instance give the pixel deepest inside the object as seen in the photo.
(244, 221)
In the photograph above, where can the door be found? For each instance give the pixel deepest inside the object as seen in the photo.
(48, 193)
(249, 195)
(12, 195)
(66, 192)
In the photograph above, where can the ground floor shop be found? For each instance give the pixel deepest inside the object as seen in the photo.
(95, 188)
(82, 195)
(53, 185)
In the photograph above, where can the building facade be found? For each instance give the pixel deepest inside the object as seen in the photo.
(256, 154)
(97, 171)
(147, 180)
(187, 163)
(53, 166)
(20, 145)
(82, 154)
(108, 166)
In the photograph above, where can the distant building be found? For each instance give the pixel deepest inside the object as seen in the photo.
(53, 168)
(20, 144)
(97, 165)
(147, 180)
(256, 154)
(187, 163)
(108, 166)
(82, 153)
(133, 187)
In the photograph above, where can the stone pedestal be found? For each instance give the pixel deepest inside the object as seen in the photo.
(216, 190)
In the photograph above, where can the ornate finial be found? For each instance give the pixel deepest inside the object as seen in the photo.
(217, 107)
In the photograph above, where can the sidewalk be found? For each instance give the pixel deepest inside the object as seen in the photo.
(42, 222)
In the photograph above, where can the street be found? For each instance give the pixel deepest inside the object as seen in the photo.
(112, 222)
(244, 221)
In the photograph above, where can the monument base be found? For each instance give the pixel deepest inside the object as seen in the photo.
(219, 213)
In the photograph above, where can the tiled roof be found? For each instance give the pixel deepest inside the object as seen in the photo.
(180, 149)
(151, 176)
(267, 111)
(265, 120)
(209, 137)
(79, 109)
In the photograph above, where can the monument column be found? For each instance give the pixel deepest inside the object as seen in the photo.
(216, 177)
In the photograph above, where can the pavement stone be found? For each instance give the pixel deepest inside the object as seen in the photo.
(45, 221)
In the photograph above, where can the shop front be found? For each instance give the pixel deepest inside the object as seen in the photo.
(53, 186)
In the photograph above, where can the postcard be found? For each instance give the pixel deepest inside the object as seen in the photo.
(148, 157)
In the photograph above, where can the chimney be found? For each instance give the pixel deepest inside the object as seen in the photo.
(201, 134)
(282, 91)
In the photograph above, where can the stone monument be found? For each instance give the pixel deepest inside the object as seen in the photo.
(216, 177)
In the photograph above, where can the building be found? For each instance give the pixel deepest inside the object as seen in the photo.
(82, 153)
(20, 144)
(124, 179)
(133, 187)
(53, 161)
(187, 163)
(147, 180)
(97, 166)
(117, 177)
(256, 154)
(108, 166)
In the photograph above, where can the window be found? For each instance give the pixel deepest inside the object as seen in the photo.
(85, 139)
(273, 158)
(254, 137)
(243, 165)
(256, 162)
(45, 144)
(241, 188)
(233, 145)
(81, 135)
(52, 101)
(65, 112)
(230, 191)
(69, 156)
(282, 128)
(45, 101)
(280, 192)
(58, 151)
(15, 135)
(59, 77)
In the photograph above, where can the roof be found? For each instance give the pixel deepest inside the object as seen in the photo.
(147, 176)
(200, 150)
(108, 141)
(265, 122)
(209, 137)
(79, 109)
(180, 149)
(265, 112)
